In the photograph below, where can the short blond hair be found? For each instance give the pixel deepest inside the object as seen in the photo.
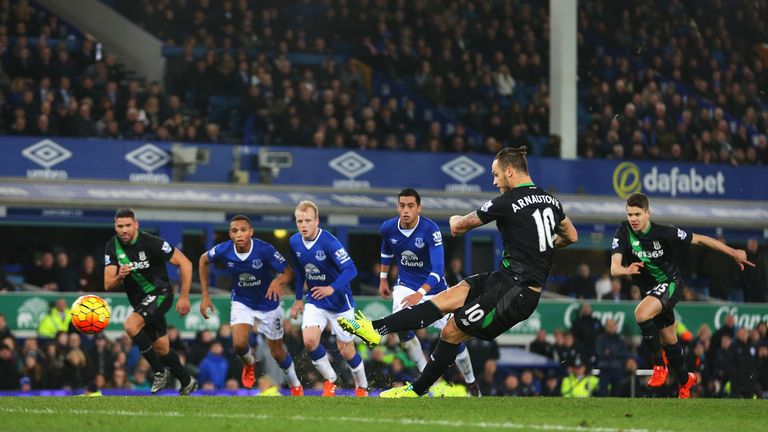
(306, 204)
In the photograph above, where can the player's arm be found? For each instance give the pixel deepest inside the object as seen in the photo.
(619, 270)
(738, 255)
(462, 224)
(204, 271)
(114, 275)
(284, 276)
(298, 284)
(348, 272)
(565, 234)
(185, 268)
(387, 255)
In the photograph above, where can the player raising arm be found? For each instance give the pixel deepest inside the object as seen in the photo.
(647, 250)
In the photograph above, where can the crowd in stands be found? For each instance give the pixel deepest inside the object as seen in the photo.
(590, 359)
(660, 80)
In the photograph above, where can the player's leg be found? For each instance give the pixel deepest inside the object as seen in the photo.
(346, 345)
(442, 357)
(271, 326)
(312, 326)
(645, 312)
(463, 361)
(412, 318)
(241, 320)
(171, 360)
(674, 352)
(408, 340)
(135, 327)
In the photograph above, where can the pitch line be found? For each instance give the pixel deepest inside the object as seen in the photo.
(400, 421)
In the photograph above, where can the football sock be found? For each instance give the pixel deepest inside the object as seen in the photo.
(441, 359)
(676, 363)
(651, 339)
(320, 360)
(465, 364)
(413, 348)
(144, 344)
(358, 371)
(410, 318)
(177, 369)
(245, 355)
(289, 370)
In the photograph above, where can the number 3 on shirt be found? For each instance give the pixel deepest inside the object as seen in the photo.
(545, 225)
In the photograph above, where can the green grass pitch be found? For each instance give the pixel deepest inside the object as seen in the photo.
(316, 414)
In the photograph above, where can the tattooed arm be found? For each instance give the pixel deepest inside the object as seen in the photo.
(462, 224)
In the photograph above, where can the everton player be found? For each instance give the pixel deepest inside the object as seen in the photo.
(258, 274)
(326, 269)
(645, 251)
(416, 244)
(532, 224)
(137, 260)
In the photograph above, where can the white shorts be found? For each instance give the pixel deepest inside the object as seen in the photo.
(400, 292)
(315, 317)
(270, 323)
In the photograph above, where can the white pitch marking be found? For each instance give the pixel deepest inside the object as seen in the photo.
(402, 421)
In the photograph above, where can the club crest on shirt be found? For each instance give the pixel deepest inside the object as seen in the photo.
(142, 256)
(656, 245)
(419, 242)
(320, 255)
(257, 264)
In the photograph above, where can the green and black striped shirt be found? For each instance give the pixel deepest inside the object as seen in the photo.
(148, 253)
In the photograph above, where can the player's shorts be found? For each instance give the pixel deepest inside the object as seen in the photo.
(153, 308)
(400, 292)
(315, 317)
(495, 302)
(270, 323)
(668, 293)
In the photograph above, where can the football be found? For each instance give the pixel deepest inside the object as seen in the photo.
(90, 314)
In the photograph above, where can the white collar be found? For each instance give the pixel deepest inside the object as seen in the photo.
(310, 243)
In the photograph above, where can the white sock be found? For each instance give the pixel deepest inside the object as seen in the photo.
(465, 365)
(290, 375)
(248, 359)
(358, 374)
(325, 368)
(413, 348)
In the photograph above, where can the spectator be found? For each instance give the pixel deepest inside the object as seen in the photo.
(89, 279)
(612, 354)
(586, 329)
(581, 285)
(4, 330)
(9, 374)
(57, 320)
(527, 385)
(578, 384)
(455, 273)
(66, 278)
(541, 346)
(43, 273)
(214, 367)
(755, 284)
(741, 368)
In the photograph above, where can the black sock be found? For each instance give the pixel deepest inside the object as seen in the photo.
(676, 363)
(442, 358)
(144, 343)
(411, 318)
(174, 364)
(651, 339)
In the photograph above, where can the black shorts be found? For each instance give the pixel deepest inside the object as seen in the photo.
(668, 293)
(153, 308)
(495, 303)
